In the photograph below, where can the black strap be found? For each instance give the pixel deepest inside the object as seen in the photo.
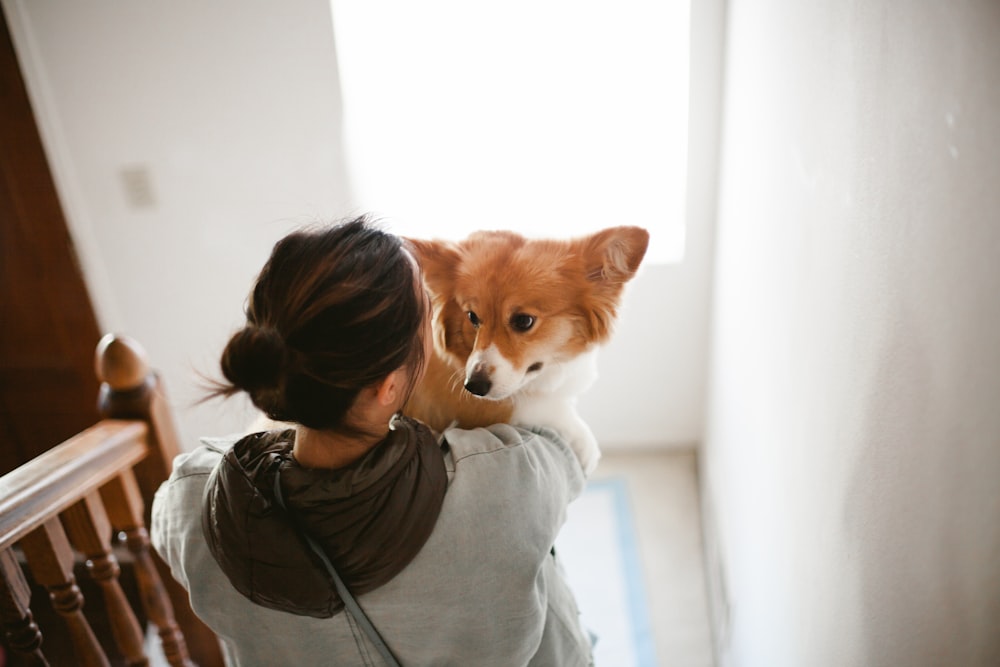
(349, 602)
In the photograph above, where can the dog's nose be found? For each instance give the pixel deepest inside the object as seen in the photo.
(478, 384)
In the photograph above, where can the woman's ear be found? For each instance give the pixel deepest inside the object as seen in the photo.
(390, 390)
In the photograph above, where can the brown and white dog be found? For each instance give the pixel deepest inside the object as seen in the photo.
(517, 323)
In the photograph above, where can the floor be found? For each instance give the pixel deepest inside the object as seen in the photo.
(664, 495)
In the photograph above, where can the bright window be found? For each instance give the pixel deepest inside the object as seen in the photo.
(549, 118)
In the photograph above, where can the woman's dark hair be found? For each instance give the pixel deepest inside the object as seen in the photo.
(334, 310)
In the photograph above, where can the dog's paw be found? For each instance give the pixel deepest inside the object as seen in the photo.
(584, 445)
(562, 418)
(580, 439)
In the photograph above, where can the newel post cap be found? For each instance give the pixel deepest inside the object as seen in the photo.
(121, 362)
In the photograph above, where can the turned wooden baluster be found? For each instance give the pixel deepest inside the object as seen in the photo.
(89, 530)
(51, 561)
(129, 390)
(15, 616)
(123, 501)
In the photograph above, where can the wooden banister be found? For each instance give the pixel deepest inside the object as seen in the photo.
(73, 499)
(50, 559)
(125, 509)
(130, 390)
(51, 482)
(89, 529)
(19, 626)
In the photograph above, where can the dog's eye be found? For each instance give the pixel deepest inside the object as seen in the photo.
(522, 322)
(474, 319)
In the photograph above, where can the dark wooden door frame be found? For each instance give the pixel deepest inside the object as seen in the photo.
(48, 328)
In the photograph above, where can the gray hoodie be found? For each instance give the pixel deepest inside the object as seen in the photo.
(485, 589)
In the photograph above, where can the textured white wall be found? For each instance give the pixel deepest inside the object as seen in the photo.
(852, 461)
(233, 109)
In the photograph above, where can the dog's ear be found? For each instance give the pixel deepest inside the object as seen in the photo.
(438, 261)
(610, 259)
(613, 255)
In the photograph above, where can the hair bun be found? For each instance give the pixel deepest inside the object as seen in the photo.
(255, 359)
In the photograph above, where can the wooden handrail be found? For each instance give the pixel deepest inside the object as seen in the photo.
(73, 501)
(51, 482)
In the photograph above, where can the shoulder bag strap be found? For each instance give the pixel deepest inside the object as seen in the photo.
(349, 602)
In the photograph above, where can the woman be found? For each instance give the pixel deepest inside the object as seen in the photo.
(443, 548)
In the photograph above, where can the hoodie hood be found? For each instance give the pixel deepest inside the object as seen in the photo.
(371, 518)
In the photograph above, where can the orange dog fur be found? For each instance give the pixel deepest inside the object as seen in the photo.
(517, 323)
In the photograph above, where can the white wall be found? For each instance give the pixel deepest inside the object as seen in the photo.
(852, 461)
(233, 108)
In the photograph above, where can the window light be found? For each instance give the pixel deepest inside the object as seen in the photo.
(549, 118)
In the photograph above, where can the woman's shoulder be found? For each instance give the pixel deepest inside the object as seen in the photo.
(191, 470)
(501, 438)
(512, 465)
(202, 459)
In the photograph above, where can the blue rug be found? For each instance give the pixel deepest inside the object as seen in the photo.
(599, 552)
